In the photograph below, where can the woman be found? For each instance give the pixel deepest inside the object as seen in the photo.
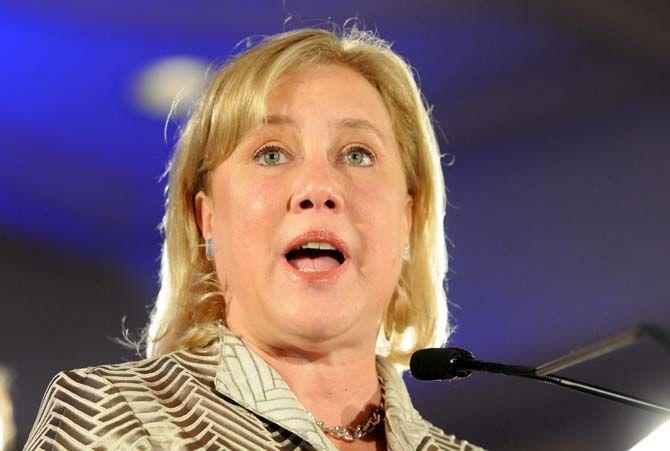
(302, 265)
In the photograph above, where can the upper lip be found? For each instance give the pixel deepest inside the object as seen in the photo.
(320, 235)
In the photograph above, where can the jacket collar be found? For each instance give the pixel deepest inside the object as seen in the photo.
(246, 378)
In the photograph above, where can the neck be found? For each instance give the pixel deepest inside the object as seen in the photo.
(339, 388)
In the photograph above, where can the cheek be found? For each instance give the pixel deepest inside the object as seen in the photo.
(250, 214)
(377, 214)
(245, 203)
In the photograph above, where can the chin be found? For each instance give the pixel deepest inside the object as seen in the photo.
(318, 321)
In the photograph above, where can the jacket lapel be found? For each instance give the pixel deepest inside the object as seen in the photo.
(405, 429)
(247, 379)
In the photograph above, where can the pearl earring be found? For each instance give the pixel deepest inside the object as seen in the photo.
(209, 249)
(406, 255)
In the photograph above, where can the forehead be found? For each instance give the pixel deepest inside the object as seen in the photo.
(335, 95)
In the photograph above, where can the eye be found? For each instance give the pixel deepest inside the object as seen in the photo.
(359, 156)
(270, 155)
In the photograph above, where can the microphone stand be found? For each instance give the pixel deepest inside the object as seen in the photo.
(605, 347)
(604, 393)
(465, 362)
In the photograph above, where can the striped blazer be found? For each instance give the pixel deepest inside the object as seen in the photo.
(220, 397)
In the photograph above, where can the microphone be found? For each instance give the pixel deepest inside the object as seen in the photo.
(456, 363)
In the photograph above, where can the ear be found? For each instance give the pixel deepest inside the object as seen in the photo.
(204, 214)
(408, 216)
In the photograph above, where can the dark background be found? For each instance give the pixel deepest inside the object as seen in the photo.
(556, 122)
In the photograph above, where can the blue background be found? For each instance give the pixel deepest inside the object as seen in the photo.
(555, 118)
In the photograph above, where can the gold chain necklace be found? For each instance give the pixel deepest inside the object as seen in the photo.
(352, 433)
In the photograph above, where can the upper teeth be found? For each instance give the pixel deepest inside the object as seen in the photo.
(317, 245)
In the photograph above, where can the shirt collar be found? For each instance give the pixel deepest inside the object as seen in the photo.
(243, 376)
(405, 429)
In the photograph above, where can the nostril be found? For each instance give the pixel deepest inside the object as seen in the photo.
(306, 204)
(330, 204)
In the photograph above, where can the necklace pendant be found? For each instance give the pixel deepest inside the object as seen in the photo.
(351, 433)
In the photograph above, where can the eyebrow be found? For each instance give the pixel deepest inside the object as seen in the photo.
(360, 124)
(350, 123)
(278, 119)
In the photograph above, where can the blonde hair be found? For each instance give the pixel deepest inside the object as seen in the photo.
(7, 427)
(190, 302)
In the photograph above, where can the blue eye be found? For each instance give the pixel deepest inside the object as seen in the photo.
(270, 155)
(360, 156)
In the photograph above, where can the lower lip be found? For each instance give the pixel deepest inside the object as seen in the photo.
(324, 277)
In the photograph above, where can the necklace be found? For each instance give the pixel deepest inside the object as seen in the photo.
(351, 433)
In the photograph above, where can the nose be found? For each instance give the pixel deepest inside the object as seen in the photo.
(316, 192)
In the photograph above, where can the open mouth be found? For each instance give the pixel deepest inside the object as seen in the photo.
(314, 260)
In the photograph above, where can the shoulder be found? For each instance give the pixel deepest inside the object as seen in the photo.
(449, 442)
(198, 364)
(73, 410)
(124, 378)
(92, 407)
(100, 380)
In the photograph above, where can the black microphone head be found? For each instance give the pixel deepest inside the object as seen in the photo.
(439, 363)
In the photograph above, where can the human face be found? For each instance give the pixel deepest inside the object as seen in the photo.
(325, 160)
